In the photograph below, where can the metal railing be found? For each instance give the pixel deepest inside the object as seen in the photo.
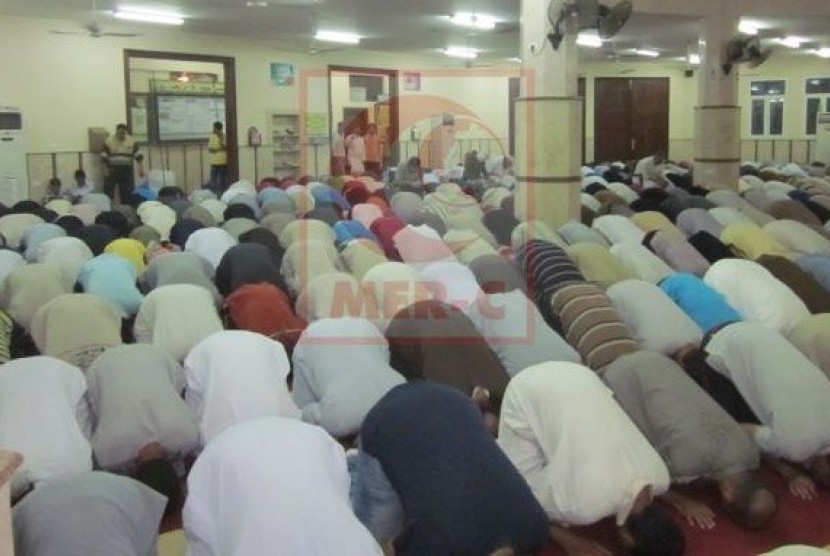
(187, 165)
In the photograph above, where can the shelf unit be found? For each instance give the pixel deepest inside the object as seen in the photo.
(285, 139)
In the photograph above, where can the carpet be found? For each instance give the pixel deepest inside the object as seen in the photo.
(797, 522)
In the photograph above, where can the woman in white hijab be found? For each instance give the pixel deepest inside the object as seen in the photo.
(176, 318)
(158, 216)
(45, 418)
(452, 283)
(273, 486)
(341, 370)
(210, 243)
(234, 376)
(76, 328)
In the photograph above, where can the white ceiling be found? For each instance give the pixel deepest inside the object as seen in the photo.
(419, 26)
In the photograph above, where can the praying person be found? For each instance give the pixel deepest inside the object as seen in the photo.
(429, 485)
(651, 169)
(695, 437)
(548, 414)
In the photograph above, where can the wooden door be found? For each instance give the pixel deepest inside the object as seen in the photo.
(355, 120)
(650, 116)
(631, 118)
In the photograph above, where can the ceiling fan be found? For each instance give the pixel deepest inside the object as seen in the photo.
(93, 28)
(589, 14)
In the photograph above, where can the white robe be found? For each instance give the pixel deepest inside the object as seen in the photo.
(756, 294)
(583, 458)
(788, 393)
(235, 376)
(618, 228)
(44, 416)
(273, 486)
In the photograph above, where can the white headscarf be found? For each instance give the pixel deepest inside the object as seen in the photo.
(234, 376)
(69, 253)
(158, 216)
(210, 243)
(273, 486)
(452, 283)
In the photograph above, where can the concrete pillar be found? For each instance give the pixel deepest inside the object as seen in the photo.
(717, 115)
(548, 123)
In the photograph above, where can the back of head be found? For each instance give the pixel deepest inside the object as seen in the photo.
(654, 534)
(751, 505)
(159, 475)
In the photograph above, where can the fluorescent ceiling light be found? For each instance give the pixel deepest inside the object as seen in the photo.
(823, 52)
(589, 39)
(461, 52)
(694, 59)
(337, 36)
(476, 21)
(515, 60)
(148, 16)
(748, 28)
(646, 52)
(791, 42)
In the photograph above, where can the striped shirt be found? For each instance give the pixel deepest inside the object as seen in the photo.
(548, 269)
(591, 325)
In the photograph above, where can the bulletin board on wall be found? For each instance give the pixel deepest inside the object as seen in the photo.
(188, 118)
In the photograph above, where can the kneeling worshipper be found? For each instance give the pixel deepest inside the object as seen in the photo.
(656, 323)
(265, 309)
(112, 278)
(497, 274)
(45, 418)
(750, 241)
(210, 243)
(304, 261)
(37, 235)
(435, 341)
(548, 269)
(756, 294)
(708, 308)
(248, 263)
(677, 252)
(812, 338)
(179, 268)
(142, 426)
(69, 253)
(598, 265)
(335, 295)
(819, 268)
(394, 286)
(641, 261)
(90, 514)
(247, 498)
(452, 283)
(76, 328)
(696, 438)
(130, 250)
(799, 281)
(234, 376)
(797, 237)
(439, 484)
(788, 393)
(341, 370)
(516, 331)
(584, 459)
(176, 318)
(30, 287)
(590, 324)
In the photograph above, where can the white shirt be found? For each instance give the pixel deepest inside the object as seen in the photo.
(580, 453)
(210, 243)
(650, 170)
(618, 228)
(339, 146)
(756, 294)
(656, 323)
(452, 283)
(797, 237)
(235, 376)
(69, 253)
(135, 397)
(516, 331)
(341, 370)
(642, 262)
(176, 318)
(788, 393)
(44, 416)
(273, 486)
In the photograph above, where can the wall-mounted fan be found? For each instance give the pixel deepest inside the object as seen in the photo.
(92, 30)
(589, 14)
(744, 49)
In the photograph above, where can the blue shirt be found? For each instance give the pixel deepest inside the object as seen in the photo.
(112, 278)
(708, 308)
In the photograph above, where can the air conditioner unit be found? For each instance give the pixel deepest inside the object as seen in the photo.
(14, 179)
(822, 153)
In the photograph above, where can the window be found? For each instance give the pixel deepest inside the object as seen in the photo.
(818, 100)
(767, 114)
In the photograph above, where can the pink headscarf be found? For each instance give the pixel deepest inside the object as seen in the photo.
(366, 213)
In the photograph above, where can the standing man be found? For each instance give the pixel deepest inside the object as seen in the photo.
(119, 152)
(374, 152)
(218, 148)
(338, 153)
(356, 152)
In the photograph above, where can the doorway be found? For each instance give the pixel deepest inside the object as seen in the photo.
(631, 118)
